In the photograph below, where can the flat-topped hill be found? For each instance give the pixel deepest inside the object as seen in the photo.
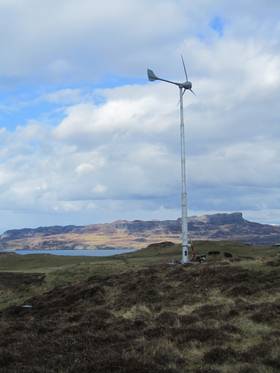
(138, 233)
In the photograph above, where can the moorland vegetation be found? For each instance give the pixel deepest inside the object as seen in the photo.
(138, 313)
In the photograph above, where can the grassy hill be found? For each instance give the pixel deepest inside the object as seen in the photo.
(137, 313)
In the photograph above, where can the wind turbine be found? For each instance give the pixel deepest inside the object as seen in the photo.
(183, 87)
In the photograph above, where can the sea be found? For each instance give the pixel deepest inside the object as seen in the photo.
(76, 252)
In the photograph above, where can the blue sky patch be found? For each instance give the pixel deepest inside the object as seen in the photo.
(217, 24)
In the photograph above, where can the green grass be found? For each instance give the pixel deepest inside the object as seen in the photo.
(155, 254)
(62, 270)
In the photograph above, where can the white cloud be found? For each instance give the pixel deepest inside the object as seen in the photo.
(64, 96)
(134, 111)
(99, 188)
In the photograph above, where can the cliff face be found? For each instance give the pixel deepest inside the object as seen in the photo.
(138, 233)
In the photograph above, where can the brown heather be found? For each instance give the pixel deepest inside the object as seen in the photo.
(137, 313)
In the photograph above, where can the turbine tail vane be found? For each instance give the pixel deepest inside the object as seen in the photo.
(151, 75)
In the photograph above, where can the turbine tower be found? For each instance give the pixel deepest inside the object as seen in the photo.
(183, 87)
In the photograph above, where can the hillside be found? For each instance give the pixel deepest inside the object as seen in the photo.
(139, 233)
(137, 314)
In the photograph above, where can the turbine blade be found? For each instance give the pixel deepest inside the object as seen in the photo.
(184, 68)
(192, 92)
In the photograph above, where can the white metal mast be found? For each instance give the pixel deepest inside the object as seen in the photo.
(185, 242)
(187, 85)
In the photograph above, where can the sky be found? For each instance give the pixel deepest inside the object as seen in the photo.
(86, 138)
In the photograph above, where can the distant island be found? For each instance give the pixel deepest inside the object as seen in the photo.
(138, 233)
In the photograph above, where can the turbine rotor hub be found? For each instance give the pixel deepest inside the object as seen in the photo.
(186, 85)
